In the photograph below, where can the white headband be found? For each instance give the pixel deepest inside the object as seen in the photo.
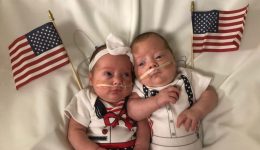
(114, 47)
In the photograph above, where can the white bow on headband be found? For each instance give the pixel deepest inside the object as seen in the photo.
(115, 46)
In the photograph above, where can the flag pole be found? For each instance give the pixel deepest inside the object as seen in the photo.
(192, 53)
(76, 76)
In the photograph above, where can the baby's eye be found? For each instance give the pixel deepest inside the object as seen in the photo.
(158, 57)
(108, 74)
(140, 64)
(126, 75)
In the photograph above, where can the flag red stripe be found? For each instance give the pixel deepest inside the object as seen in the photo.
(15, 41)
(232, 18)
(41, 74)
(212, 44)
(21, 53)
(39, 60)
(23, 60)
(220, 37)
(19, 47)
(217, 38)
(215, 50)
(234, 11)
(231, 30)
(230, 24)
(41, 67)
(26, 65)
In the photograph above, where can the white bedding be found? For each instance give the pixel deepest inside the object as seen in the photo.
(32, 118)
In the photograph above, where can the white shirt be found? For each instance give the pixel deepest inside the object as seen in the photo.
(164, 119)
(81, 109)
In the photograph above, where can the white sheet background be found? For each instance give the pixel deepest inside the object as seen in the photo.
(32, 118)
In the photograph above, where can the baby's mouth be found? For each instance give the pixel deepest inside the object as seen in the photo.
(154, 71)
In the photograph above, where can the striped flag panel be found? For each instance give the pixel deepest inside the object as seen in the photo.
(218, 31)
(36, 53)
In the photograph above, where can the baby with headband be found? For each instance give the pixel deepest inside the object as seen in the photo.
(98, 118)
(174, 99)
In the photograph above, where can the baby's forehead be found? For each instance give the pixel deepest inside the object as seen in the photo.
(147, 51)
(148, 47)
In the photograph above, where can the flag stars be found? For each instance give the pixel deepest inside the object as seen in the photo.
(204, 22)
(44, 38)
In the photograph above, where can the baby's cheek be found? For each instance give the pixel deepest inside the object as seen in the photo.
(145, 81)
(138, 72)
(101, 91)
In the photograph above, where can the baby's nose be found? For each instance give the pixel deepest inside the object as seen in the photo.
(153, 65)
(118, 80)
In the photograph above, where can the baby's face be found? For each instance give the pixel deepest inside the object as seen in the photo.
(111, 77)
(149, 54)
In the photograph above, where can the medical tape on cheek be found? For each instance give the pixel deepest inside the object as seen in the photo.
(109, 85)
(153, 69)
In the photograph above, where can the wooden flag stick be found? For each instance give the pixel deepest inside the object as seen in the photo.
(76, 76)
(192, 54)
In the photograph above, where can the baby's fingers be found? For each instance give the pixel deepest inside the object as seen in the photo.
(181, 120)
(173, 92)
(173, 89)
(194, 125)
(173, 97)
(187, 124)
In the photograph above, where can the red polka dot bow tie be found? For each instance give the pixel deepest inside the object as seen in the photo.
(112, 119)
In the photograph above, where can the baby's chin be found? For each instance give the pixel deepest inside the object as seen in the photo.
(156, 83)
(114, 101)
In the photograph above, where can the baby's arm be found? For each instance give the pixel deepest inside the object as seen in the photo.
(78, 138)
(142, 136)
(206, 103)
(139, 109)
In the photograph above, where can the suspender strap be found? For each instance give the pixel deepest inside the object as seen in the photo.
(187, 85)
(188, 89)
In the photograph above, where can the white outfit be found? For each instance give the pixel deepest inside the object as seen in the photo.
(165, 134)
(81, 108)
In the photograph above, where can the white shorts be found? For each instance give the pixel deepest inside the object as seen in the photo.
(197, 145)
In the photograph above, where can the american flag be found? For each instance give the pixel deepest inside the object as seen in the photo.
(218, 31)
(36, 54)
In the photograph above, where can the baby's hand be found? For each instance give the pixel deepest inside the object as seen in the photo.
(167, 95)
(190, 119)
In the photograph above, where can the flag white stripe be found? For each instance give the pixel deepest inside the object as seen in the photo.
(17, 44)
(231, 27)
(231, 21)
(218, 40)
(21, 57)
(35, 58)
(213, 40)
(26, 64)
(237, 40)
(232, 14)
(221, 41)
(214, 47)
(40, 71)
(20, 51)
(218, 34)
(27, 69)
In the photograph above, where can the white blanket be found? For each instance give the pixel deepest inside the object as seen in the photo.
(32, 118)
